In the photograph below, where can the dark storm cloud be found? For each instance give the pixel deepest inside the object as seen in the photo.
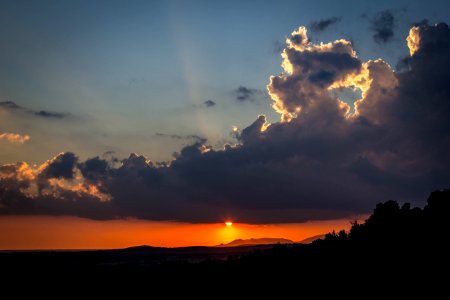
(383, 26)
(402, 64)
(322, 25)
(62, 166)
(12, 106)
(94, 168)
(319, 162)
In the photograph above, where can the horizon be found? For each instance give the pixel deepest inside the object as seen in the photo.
(187, 124)
(121, 234)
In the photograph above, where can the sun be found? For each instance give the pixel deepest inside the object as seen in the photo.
(229, 224)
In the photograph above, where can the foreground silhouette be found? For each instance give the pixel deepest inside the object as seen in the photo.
(394, 246)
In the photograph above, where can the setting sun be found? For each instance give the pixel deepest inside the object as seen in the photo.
(229, 224)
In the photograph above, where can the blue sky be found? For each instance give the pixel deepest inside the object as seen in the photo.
(124, 71)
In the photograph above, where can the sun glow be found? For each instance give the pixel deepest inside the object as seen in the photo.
(45, 232)
(228, 224)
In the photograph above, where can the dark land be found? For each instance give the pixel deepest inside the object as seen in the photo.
(397, 247)
(133, 257)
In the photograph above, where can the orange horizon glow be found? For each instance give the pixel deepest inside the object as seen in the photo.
(46, 232)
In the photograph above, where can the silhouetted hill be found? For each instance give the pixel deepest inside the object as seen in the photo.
(312, 239)
(260, 241)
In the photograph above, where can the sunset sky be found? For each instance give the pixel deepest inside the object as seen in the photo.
(154, 122)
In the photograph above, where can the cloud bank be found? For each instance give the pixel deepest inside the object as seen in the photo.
(322, 160)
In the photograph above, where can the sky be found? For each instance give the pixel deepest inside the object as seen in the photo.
(198, 112)
(43, 232)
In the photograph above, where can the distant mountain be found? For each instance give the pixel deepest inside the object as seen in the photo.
(261, 241)
(312, 239)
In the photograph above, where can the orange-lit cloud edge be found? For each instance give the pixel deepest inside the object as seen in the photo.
(45, 232)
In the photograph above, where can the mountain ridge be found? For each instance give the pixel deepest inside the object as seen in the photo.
(311, 239)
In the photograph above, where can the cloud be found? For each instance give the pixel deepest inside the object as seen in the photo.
(244, 94)
(181, 137)
(383, 26)
(322, 25)
(94, 169)
(48, 114)
(61, 166)
(322, 160)
(14, 138)
(12, 106)
(311, 70)
(209, 103)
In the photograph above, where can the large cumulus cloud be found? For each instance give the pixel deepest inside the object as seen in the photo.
(322, 159)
